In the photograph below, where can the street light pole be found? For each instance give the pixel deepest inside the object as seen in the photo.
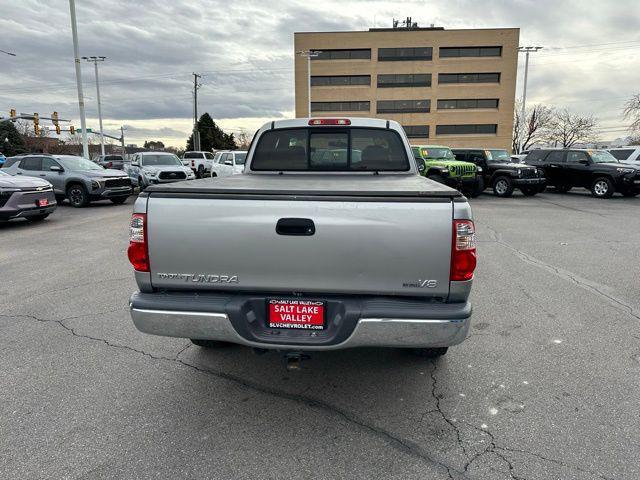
(76, 53)
(95, 61)
(527, 51)
(309, 54)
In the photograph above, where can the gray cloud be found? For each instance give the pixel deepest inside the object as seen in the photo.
(244, 49)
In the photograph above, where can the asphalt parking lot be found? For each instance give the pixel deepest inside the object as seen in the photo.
(546, 386)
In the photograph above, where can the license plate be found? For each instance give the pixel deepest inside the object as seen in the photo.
(296, 314)
(42, 202)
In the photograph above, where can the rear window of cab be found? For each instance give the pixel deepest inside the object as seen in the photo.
(330, 150)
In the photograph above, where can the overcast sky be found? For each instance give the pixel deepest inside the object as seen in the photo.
(244, 49)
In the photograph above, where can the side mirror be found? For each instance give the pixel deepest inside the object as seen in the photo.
(583, 162)
(56, 168)
(421, 166)
(228, 162)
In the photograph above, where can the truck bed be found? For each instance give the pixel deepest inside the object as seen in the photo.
(334, 185)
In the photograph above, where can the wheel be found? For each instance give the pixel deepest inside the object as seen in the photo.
(529, 191)
(563, 188)
(209, 343)
(630, 194)
(436, 178)
(118, 200)
(200, 172)
(214, 174)
(602, 187)
(77, 195)
(477, 188)
(430, 352)
(503, 187)
(37, 218)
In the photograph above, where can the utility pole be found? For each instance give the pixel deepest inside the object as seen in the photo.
(124, 150)
(309, 54)
(527, 51)
(196, 132)
(95, 61)
(76, 53)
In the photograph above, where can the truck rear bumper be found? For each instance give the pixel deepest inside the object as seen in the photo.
(440, 325)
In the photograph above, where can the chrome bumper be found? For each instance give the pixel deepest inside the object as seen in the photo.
(369, 332)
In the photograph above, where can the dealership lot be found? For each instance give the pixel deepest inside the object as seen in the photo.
(545, 387)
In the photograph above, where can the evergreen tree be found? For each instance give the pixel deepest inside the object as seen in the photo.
(211, 136)
(11, 142)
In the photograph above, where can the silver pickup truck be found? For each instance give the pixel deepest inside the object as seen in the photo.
(329, 240)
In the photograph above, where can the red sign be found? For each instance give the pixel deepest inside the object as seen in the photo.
(298, 314)
(43, 202)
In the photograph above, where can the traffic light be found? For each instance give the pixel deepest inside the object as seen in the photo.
(54, 116)
(72, 129)
(36, 124)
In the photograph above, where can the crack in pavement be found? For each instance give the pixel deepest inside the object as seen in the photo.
(402, 445)
(565, 275)
(552, 460)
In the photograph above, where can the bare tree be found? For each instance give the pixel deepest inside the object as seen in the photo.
(243, 140)
(567, 128)
(533, 129)
(632, 112)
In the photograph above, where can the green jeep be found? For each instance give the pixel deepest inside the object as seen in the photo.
(441, 165)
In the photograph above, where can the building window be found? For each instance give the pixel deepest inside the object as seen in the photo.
(468, 78)
(451, 52)
(404, 106)
(461, 104)
(417, 131)
(340, 106)
(340, 80)
(346, 54)
(404, 80)
(404, 54)
(466, 129)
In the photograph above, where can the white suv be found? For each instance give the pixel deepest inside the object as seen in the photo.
(629, 154)
(228, 163)
(199, 162)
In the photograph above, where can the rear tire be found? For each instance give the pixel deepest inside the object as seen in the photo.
(200, 172)
(503, 187)
(437, 178)
(602, 187)
(430, 352)
(37, 218)
(77, 195)
(477, 188)
(214, 174)
(118, 200)
(209, 343)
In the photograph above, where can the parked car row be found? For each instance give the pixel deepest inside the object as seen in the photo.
(31, 186)
(597, 170)
(600, 171)
(472, 170)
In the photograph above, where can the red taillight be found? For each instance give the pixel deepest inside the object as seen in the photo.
(463, 251)
(329, 121)
(138, 251)
(193, 163)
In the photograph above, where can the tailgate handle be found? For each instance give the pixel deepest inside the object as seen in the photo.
(295, 226)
